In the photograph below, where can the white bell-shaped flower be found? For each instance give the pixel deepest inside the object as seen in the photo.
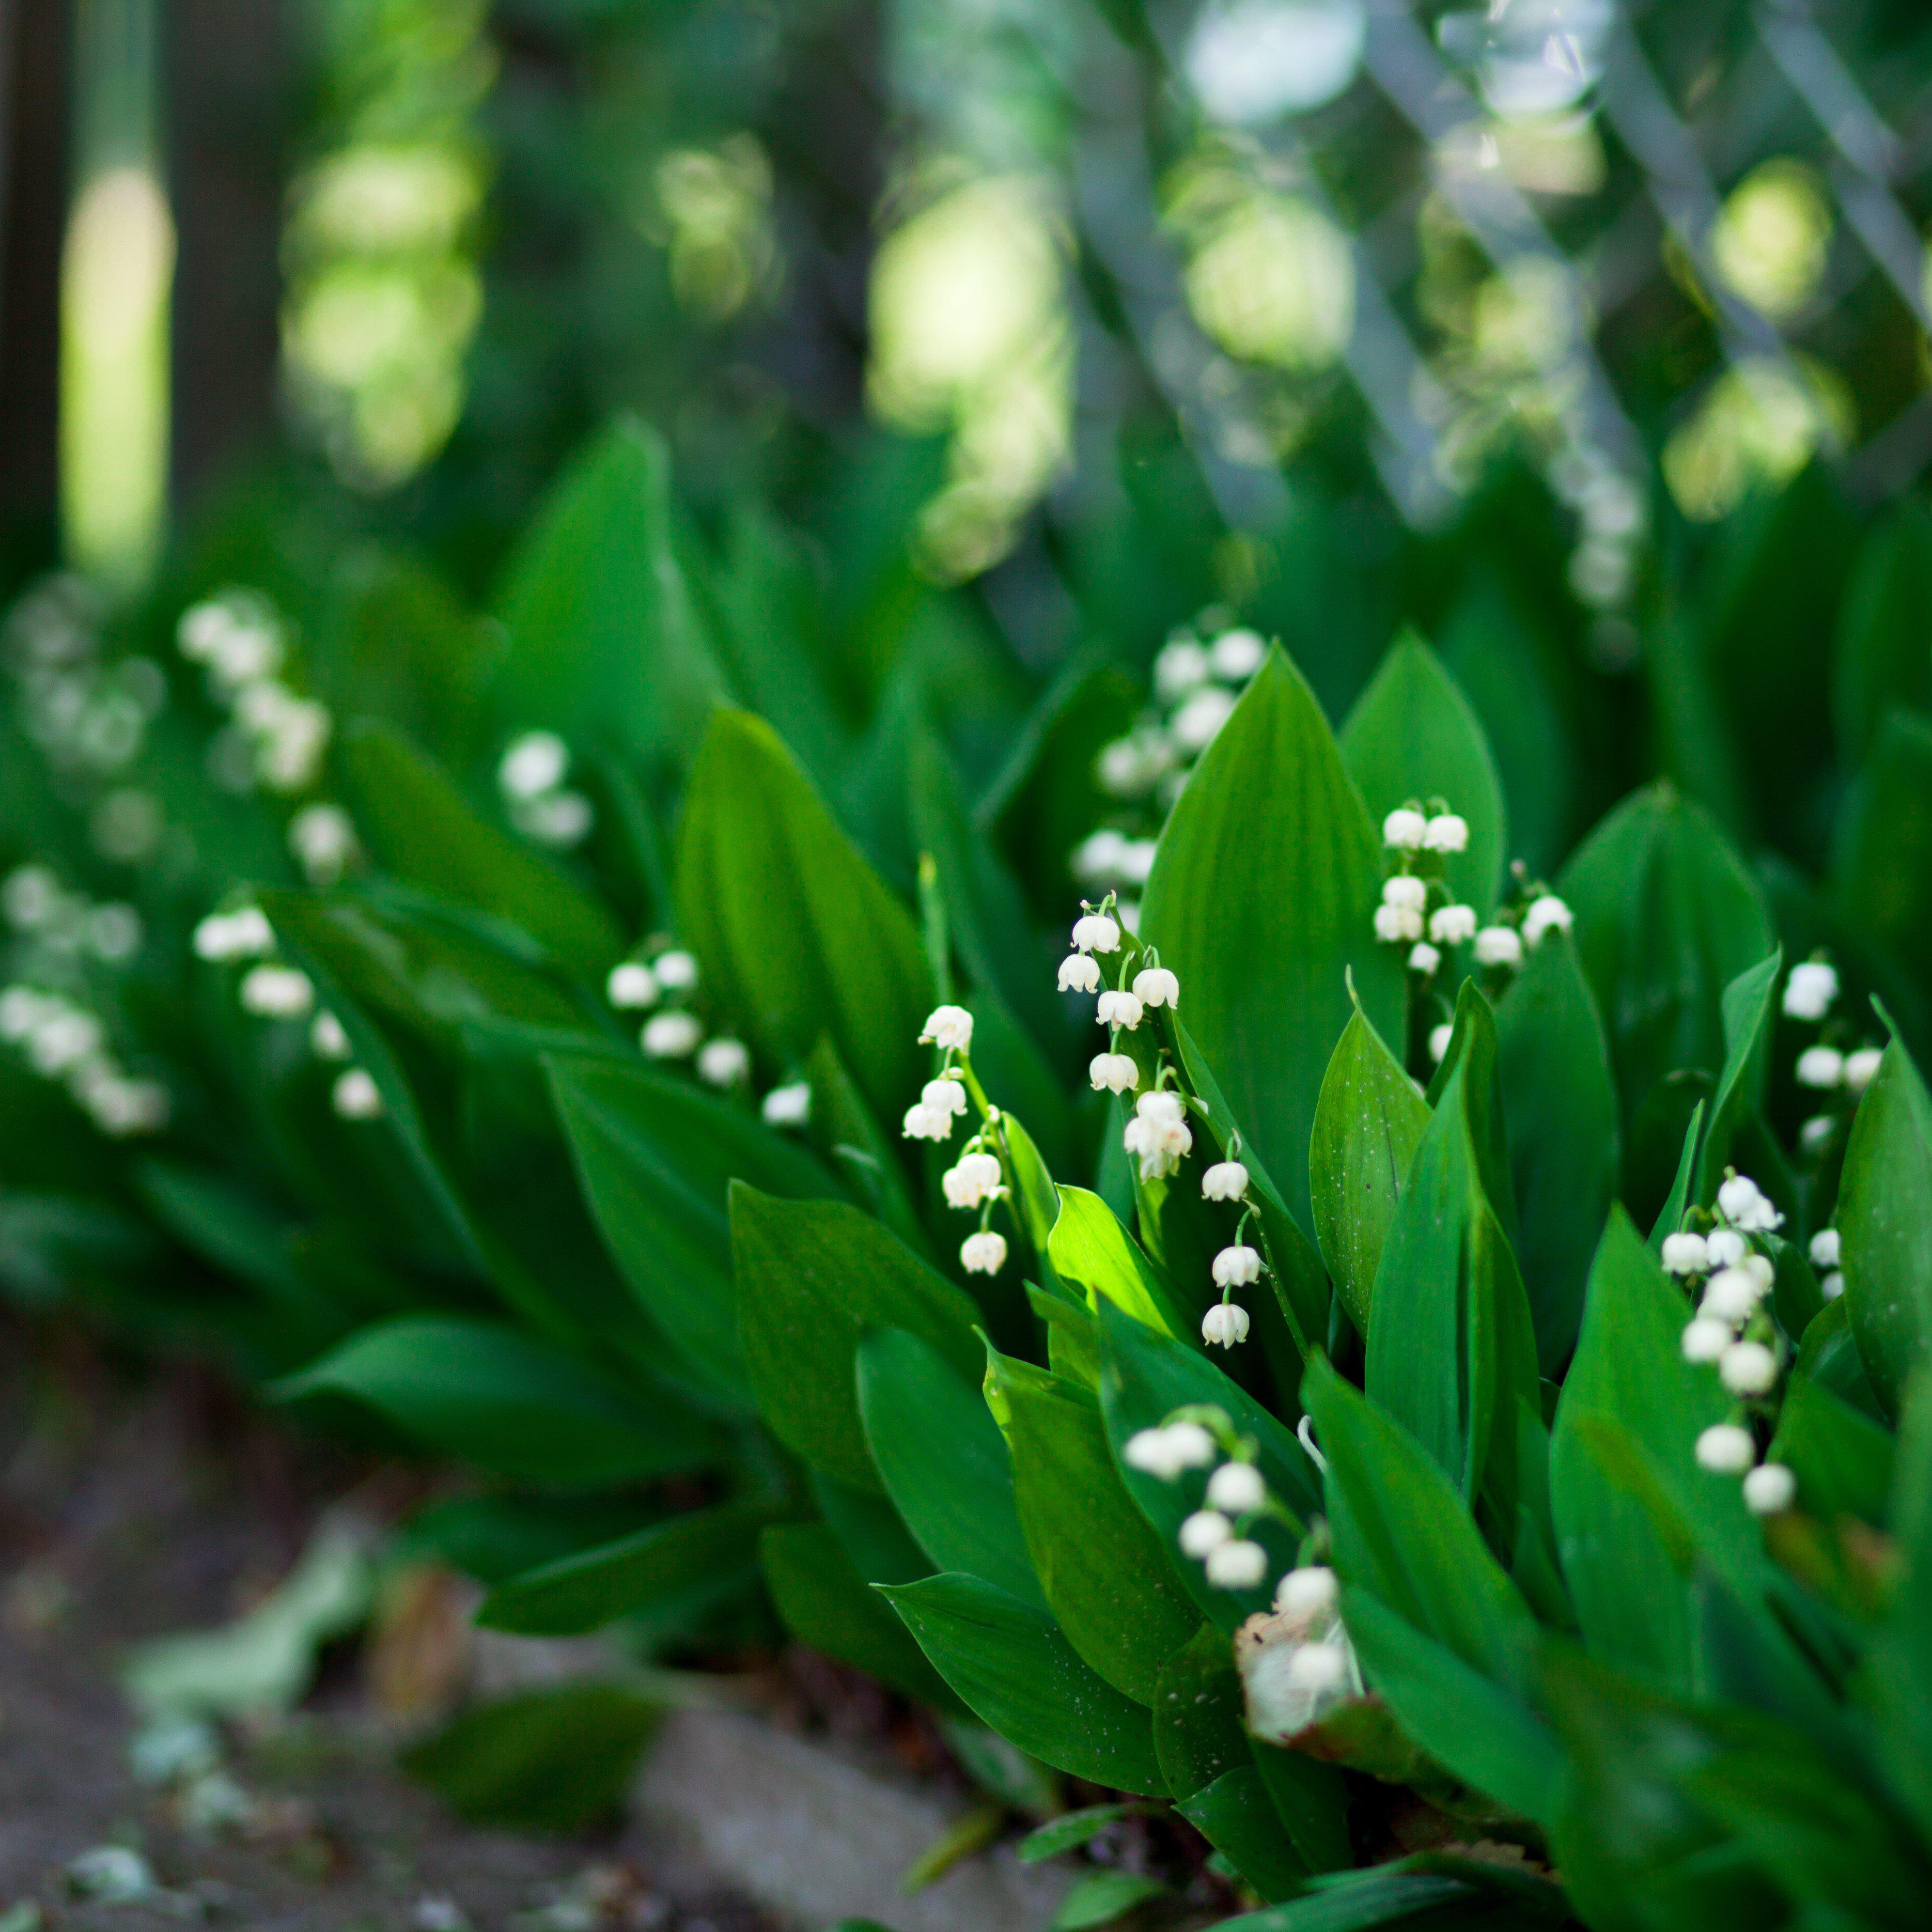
(946, 1093)
(1114, 1072)
(1238, 654)
(724, 1062)
(1769, 1489)
(1861, 1067)
(670, 1036)
(1423, 958)
(922, 1122)
(1404, 829)
(327, 1038)
(1118, 1009)
(1236, 1489)
(970, 1179)
(1453, 924)
(1685, 1253)
(949, 1028)
(1810, 991)
(1224, 1325)
(676, 970)
(355, 1096)
(1725, 1247)
(1827, 1247)
(1499, 946)
(1398, 925)
(1546, 914)
(1748, 1368)
(1705, 1340)
(1823, 1067)
(1725, 1450)
(1240, 1565)
(277, 992)
(1080, 972)
(1237, 1266)
(1204, 1530)
(1096, 932)
(983, 1253)
(787, 1106)
(632, 987)
(1732, 1295)
(1225, 1180)
(1155, 986)
(1439, 1037)
(1447, 832)
(1406, 890)
(1745, 1205)
(1307, 1592)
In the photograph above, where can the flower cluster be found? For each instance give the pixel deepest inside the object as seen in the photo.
(1198, 677)
(666, 981)
(276, 738)
(1835, 1066)
(1733, 1331)
(977, 1179)
(270, 989)
(1234, 1501)
(60, 1040)
(530, 775)
(1296, 1663)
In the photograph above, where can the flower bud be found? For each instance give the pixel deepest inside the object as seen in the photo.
(1439, 1037)
(355, 1095)
(1238, 1566)
(328, 1039)
(676, 970)
(1238, 654)
(1810, 990)
(1204, 1532)
(787, 1106)
(1769, 1489)
(1725, 1450)
(1423, 958)
(670, 1036)
(1821, 1067)
(1303, 1592)
(1826, 1247)
(631, 986)
(276, 992)
(724, 1062)
(1236, 1489)
(1861, 1067)
(1832, 1285)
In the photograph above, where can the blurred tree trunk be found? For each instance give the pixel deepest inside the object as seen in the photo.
(35, 54)
(227, 101)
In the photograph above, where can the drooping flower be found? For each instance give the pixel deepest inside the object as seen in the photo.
(1705, 1339)
(1546, 914)
(1224, 1325)
(355, 1095)
(1303, 1592)
(676, 970)
(1165, 1452)
(983, 1253)
(632, 987)
(1404, 829)
(1240, 1565)
(1725, 1247)
(1743, 1204)
(1439, 1037)
(1820, 1066)
(724, 1062)
(1117, 1008)
(671, 1035)
(1096, 932)
(1237, 1266)
(1406, 890)
(1205, 1532)
(1769, 1489)
(1447, 832)
(1397, 925)
(1499, 946)
(924, 1122)
(1225, 1180)
(1453, 924)
(276, 992)
(328, 1039)
(1079, 973)
(971, 1180)
(1810, 990)
(1748, 1368)
(949, 1028)
(947, 1095)
(787, 1106)
(1685, 1253)
(1114, 1072)
(1827, 1247)
(1732, 1295)
(1155, 986)
(1236, 1489)
(1238, 654)
(1423, 958)
(1861, 1067)
(1725, 1450)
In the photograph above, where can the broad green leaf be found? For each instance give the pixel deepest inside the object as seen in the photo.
(1466, 1721)
(1666, 917)
(798, 936)
(656, 1157)
(605, 638)
(494, 1537)
(557, 1759)
(1412, 734)
(1367, 1899)
(1075, 1828)
(869, 1530)
(422, 829)
(1560, 1108)
(590, 1587)
(1110, 1582)
(1843, 1460)
(1311, 1799)
(508, 1401)
(1747, 1009)
(1677, 1202)
(1009, 1662)
(1104, 1898)
(1262, 899)
(1450, 1346)
(1368, 1123)
(846, 1136)
(1091, 1251)
(1899, 1685)
(1882, 865)
(827, 1604)
(1404, 1534)
(1472, 1054)
(1035, 1202)
(1882, 654)
(1144, 1378)
(1200, 1730)
(943, 1461)
(1631, 1596)
(1235, 1815)
(812, 1277)
(1885, 1223)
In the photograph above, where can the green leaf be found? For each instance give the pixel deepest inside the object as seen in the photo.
(1369, 1121)
(1068, 1833)
(1403, 1534)
(1102, 1897)
(1311, 1802)
(1843, 1460)
(1235, 1815)
(1881, 656)
(507, 1401)
(1882, 864)
(1666, 917)
(1200, 1732)
(1011, 1665)
(1092, 1252)
(1413, 734)
(591, 1588)
(943, 1461)
(1884, 1224)
(1450, 1346)
(1109, 1582)
(812, 1277)
(826, 1603)
(1262, 912)
(605, 639)
(798, 935)
(1560, 1106)
(1467, 1722)
(1035, 1202)
(1631, 1596)
(1144, 1378)
(1433, 1901)
(420, 828)
(1900, 1683)
(552, 1760)
(656, 1157)
(1746, 1007)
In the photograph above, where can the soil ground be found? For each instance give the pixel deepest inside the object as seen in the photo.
(138, 1502)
